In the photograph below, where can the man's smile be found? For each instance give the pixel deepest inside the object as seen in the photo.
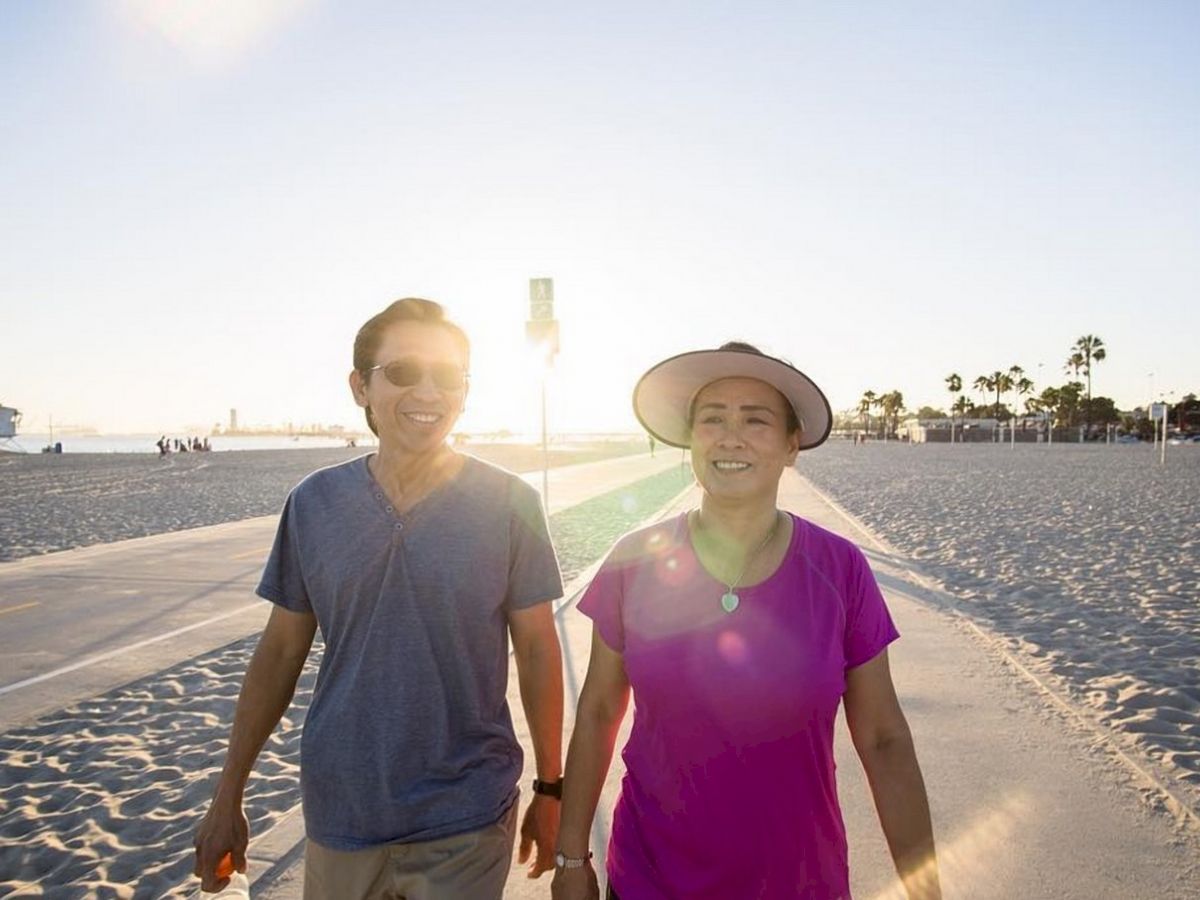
(423, 418)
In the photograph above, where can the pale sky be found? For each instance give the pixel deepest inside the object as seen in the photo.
(199, 205)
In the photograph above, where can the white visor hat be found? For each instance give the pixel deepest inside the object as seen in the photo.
(663, 397)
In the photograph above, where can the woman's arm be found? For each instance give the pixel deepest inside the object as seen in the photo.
(602, 705)
(884, 744)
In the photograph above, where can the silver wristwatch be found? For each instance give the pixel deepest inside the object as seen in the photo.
(571, 862)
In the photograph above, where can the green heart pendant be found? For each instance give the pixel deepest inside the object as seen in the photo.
(729, 602)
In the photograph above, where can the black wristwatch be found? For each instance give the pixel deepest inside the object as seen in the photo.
(548, 788)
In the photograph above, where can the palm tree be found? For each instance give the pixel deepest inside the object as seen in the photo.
(864, 410)
(892, 403)
(1000, 383)
(983, 384)
(1091, 349)
(1019, 385)
(961, 405)
(954, 383)
(1074, 364)
(1050, 400)
(878, 404)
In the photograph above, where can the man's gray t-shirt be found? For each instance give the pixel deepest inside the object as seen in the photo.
(409, 736)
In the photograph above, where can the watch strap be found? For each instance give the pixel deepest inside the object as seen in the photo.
(562, 861)
(548, 788)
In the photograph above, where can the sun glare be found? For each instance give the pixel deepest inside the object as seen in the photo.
(215, 32)
(963, 858)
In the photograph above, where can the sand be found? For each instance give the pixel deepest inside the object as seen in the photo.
(1083, 559)
(107, 793)
(75, 500)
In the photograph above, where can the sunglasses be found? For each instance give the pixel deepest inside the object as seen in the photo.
(408, 373)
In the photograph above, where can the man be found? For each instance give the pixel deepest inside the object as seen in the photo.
(417, 563)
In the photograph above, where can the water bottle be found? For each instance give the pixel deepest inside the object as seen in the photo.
(238, 887)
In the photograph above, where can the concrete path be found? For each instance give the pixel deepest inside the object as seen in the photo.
(77, 623)
(1028, 801)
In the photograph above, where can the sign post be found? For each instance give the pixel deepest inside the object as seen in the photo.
(541, 331)
(1159, 411)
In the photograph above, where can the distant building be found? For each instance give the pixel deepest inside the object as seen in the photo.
(233, 420)
(937, 431)
(9, 420)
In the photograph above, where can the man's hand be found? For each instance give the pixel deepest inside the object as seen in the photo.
(223, 832)
(540, 826)
(575, 884)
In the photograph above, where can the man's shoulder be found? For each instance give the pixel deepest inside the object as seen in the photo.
(331, 480)
(498, 479)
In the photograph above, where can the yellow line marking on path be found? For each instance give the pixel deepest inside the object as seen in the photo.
(17, 608)
(262, 551)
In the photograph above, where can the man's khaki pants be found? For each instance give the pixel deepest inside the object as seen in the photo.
(473, 865)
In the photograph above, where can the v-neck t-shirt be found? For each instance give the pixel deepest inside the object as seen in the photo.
(730, 786)
(409, 736)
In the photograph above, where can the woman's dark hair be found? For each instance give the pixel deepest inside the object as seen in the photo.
(793, 422)
(410, 309)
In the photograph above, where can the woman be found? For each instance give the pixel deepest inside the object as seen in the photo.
(739, 628)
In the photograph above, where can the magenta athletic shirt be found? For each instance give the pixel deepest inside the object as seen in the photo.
(729, 789)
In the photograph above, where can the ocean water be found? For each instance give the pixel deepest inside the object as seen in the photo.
(145, 443)
(32, 442)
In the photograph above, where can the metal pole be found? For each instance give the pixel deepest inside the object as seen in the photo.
(1162, 460)
(545, 452)
(1150, 410)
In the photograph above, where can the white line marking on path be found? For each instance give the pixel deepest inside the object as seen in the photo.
(92, 660)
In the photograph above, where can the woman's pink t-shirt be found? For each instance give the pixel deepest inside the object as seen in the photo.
(729, 788)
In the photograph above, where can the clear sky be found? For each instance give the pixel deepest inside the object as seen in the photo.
(201, 202)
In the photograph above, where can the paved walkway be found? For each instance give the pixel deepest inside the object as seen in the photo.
(77, 623)
(1027, 802)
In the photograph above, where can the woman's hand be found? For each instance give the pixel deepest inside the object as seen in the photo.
(575, 884)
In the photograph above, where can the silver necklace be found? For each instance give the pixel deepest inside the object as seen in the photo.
(730, 599)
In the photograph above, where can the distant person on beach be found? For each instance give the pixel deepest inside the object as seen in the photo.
(418, 564)
(163, 447)
(739, 629)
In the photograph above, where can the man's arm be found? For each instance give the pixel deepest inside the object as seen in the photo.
(266, 692)
(539, 671)
(884, 744)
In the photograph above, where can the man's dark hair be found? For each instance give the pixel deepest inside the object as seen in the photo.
(410, 309)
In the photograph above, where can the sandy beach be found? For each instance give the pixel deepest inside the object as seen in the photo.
(1082, 559)
(76, 500)
(106, 793)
